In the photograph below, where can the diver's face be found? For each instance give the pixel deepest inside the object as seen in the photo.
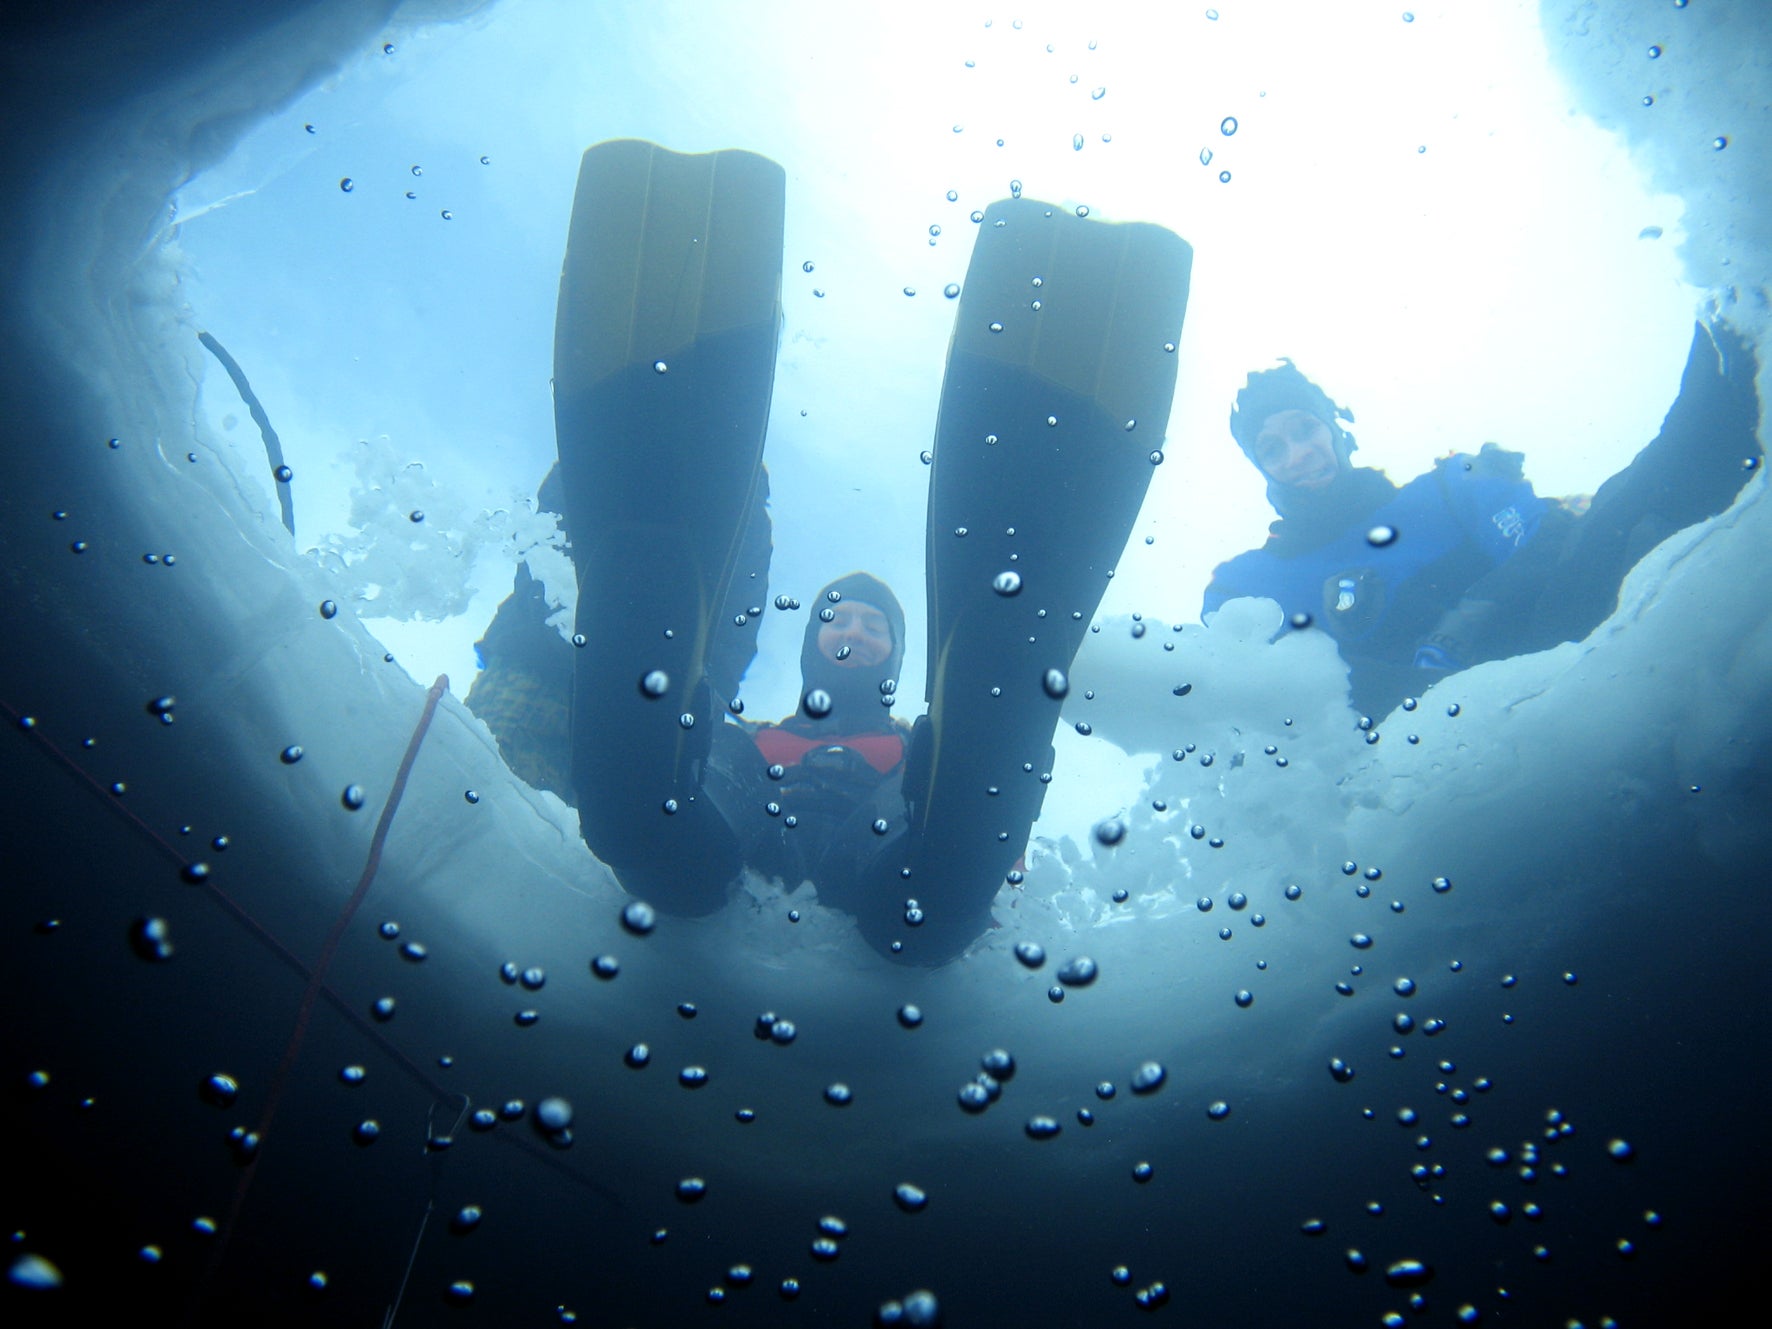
(857, 636)
(1295, 448)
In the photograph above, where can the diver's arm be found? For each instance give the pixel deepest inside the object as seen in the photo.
(1499, 604)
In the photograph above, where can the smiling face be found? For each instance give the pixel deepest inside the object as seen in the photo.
(1295, 448)
(858, 635)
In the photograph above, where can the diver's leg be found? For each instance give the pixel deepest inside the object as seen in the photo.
(1056, 395)
(523, 692)
(734, 643)
(664, 359)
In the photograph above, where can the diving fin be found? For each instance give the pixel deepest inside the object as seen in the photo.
(664, 361)
(1054, 403)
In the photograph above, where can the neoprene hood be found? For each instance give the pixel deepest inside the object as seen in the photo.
(855, 692)
(1284, 388)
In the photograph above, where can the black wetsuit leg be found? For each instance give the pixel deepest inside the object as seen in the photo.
(735, 639)
(523, 692)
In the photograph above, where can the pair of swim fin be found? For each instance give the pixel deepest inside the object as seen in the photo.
(1054, 402)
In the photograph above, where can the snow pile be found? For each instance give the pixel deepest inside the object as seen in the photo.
(413, 542)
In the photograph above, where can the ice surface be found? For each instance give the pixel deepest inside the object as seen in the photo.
(1598, 809)
(413, 542)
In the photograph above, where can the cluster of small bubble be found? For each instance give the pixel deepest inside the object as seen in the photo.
(977, 1094)
(916, 1309)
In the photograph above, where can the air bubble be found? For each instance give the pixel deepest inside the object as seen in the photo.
(466, 1219)
(1007, 583)
(1078, 972)
(553, 1115)
(911, 1199)
(1149, 1078)
(999, 1065)
(1228, 125)
(1408, 1273)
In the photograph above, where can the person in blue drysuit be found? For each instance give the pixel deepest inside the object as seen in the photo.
(1467, 563)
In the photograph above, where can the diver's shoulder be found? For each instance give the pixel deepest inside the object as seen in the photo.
(1489, 462)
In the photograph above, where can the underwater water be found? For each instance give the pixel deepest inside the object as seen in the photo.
(319, 1014)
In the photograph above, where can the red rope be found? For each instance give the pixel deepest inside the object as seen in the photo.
(208, 886)
(317, 979)
(316, 984)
